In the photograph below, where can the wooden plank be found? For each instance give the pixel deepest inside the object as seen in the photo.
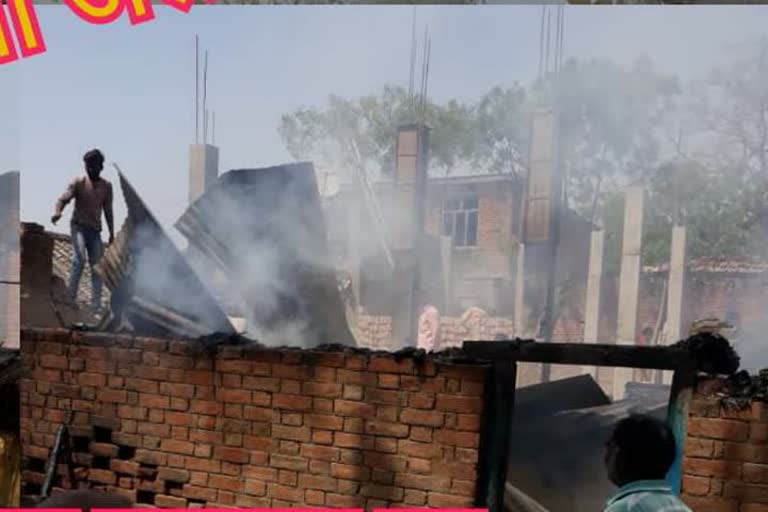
(625, 356)
(683, 382)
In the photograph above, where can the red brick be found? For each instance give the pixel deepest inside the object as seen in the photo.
(746, 492)
(173, 475)
(165, 501)
(259, 443)
(240, 396)
(175, 446)
(396, 463)
(237, 455)
(252, 502)
(205, 407)
(262, 383)
(345, 440)
(388, 364)
(421, 400)
(421, 417)
(756, 473)
(421, 434)
(290, 387)
(195, 492)
(154, 401)
(457, 438)
(746, 452)
(102, 476)
(359, 378)
(423, 482)
(383, 428)
(350, 472)
(696, 485)
(424, 450)
(179, 418)
(324, 421)
(255, 488)
(301, 434)
(710, 467)
(283, 492)
(92, 379)
(322, 436)
(732, 430)
(419, 466)
(288, 462)
(234, 366)
(104, 450)
(200, 464)
(357, 409)
(461, 404)
(124, 467)
(754, 507)
(695, 447)
(288, 478)
(322, 483)
(327, 453)
(292, 402)
(324, 389)
(314, 498)
(414, 497)
(386, 445)
(388, 381)
(353, 392)
(225, 483)
(758, 432)
(438, 500)
(260, 473)
(468, 422)
(199, 377)
(112, 395)
(151, 458)
(342, 501)
(384, 492)
(257, 413)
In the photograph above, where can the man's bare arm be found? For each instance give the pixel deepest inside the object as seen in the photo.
(109, 215)
(63, 201)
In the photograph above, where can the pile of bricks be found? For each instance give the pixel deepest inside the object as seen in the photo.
(725, 468)
(251, 427)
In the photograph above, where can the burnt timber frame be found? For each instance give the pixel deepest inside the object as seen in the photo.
(501, 384)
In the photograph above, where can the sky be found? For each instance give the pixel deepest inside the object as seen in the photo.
(129, 90)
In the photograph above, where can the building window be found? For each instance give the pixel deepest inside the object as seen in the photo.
(460, 221)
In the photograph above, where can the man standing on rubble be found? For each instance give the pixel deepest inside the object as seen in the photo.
(92, 195)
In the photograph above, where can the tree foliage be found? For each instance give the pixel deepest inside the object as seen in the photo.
(699, 150)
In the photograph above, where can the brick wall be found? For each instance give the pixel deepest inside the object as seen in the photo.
(256, 427)
(725, 468)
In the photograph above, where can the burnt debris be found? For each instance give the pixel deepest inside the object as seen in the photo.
(263, 230)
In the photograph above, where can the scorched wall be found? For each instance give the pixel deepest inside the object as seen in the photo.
(257, 427)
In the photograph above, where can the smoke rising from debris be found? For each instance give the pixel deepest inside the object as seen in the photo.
(263, 231)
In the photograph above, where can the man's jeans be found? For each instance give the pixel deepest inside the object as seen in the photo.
(85, 241)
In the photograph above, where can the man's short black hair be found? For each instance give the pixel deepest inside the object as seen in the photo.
(647, 446)
(94, 156)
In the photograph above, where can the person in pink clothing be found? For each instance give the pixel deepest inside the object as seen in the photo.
(429, 329)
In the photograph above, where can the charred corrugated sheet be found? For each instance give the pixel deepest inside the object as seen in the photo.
(154, 290)
(264, 228)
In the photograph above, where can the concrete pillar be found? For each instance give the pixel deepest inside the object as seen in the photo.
(629, 285)
(410, 200)
(594, 282)
(520, 293)
(203, 169)
(9, 259)
(673, 331)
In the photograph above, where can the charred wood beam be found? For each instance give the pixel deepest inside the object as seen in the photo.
(711, 354)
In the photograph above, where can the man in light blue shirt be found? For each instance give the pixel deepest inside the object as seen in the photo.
(638, 456)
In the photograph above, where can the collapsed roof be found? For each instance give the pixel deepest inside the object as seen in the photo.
(153, 289)
(264, 230)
